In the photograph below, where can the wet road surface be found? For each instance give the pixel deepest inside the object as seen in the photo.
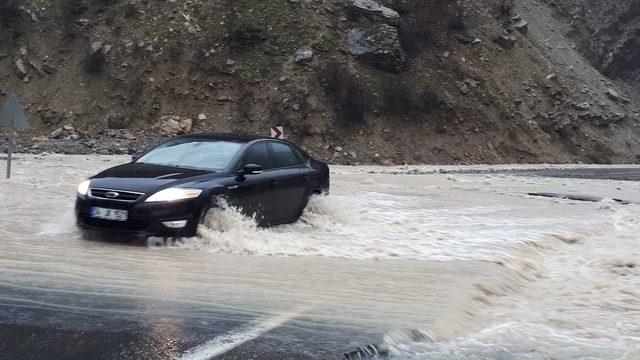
(628, 174)
(428, 265)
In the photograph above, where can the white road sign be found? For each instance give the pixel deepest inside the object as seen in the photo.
(277, 132)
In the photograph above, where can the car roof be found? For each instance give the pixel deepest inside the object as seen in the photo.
(242, 138)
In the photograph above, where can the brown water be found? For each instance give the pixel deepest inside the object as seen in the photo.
(468, 261)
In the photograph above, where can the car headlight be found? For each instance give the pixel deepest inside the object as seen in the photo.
(83, 188)
(173, 194)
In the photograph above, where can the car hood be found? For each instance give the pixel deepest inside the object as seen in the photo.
(147, 178)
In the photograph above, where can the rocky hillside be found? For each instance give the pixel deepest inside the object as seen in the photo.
(353, 81)
(608, 35)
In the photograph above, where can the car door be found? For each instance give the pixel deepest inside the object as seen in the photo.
(290, 176)
(252, 193)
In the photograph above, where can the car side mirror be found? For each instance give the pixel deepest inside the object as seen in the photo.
(249, 169)
(252, 169)
(134, 158)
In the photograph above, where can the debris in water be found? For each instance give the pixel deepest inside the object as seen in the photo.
(577, 197)
(367, 352)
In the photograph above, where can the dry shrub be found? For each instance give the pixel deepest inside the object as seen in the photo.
(425, 21)
(9, 12)
(71, 8)
(249, 33)
(131, 10)
(506, 7)
(350, 96)
(413, 36)
(94, 63)
(402, 99)
(457, 19)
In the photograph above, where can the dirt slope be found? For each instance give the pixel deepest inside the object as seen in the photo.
(457, 96)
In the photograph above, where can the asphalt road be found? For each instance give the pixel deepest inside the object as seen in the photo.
(163, 338)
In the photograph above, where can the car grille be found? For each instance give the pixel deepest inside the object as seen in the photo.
(116, 195)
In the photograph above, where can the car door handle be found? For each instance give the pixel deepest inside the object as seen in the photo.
(304, 178)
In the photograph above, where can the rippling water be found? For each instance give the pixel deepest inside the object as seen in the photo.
(429, 266)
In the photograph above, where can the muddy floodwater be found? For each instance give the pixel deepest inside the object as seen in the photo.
(422, 262)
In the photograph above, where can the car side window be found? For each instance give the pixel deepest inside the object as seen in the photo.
(301, 154)
(258, 154)
(284, 155)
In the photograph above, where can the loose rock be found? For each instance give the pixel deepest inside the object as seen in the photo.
(21, 69)
(522, 26)
(48, 68)
(506, 41)
(304, 56)
(612, 94)
(582, 106)
(95, 130)
(173, 125)
(379, 46)
(374, 10)
(96, 46)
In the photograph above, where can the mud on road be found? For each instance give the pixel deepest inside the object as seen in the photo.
(427, 262)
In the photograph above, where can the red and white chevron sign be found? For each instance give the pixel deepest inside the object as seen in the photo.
(277, 132)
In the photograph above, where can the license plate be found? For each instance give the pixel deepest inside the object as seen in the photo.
(109, 214)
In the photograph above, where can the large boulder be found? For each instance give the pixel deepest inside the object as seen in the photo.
(372, 9)
(379, 46)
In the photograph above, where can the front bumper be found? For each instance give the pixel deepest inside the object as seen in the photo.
(144, 219)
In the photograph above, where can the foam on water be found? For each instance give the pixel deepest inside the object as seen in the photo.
(586, 305)
(376, 225)
(64, 223)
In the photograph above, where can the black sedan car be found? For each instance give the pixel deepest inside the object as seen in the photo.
(168, 191)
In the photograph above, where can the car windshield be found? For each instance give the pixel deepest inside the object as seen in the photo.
(198, 154)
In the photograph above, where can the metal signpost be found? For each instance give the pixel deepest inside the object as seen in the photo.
(12, 116)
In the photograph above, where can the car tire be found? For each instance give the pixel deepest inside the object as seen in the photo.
(203, 214)
(212, 203)
(306, 202)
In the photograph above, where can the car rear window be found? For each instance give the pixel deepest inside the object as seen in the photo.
(301, 154)
(284, 155)
(258, 154)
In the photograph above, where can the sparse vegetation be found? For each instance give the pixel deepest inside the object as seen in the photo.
(102, 5)
(351, 98)
(506, 7)
(130, 10)
(104, 2)
(94, 63)
(398, 97)
(402, 99)
(72, 8)
(9, 12)
(135, 89)
(249, 33)
(175, 51)
(430, 101)
(424, 20)
(457, 19)
(413, 36)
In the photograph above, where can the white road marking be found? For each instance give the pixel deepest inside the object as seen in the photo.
(237, 337)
